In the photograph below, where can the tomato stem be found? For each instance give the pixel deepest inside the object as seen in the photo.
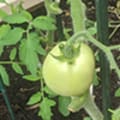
(113, 47)
(77, 9)
(92, 108)
(78, 15)
(50, 34)
(87, 102)
(106, 49)
(42, 87)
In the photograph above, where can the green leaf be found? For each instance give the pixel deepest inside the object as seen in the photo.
(116, 114)
(36, 44)
(32, 78)
(4, 29)
(41, 50)
(49, 92)
(28, 56)
(63, 105)
(27, 15)
(4, 76)
(95, 80)
(3, 1)
(16, 67)
(12, 37)
(44, 23)
(117, 93)
(35, 98)
(2, 14)
(35, 39)
(87, 118)
(66, 32)
(54, 8)
(45, 108)
(18, 18)
(13, 54)
(92, 30)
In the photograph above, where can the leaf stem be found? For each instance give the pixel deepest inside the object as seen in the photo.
(113, 47)
(28, 30)
(9, 62)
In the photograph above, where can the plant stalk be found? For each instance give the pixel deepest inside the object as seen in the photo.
(50, 34)
(92, 108)
(78, 15)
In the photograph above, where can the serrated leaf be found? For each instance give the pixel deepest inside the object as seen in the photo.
(92, 30)
(2, 1)
(12, 37)
(18, 18)
(44, 23)
(32, 78)
(95, 80)
(54, 8)
(35, 39)
(63, 105)
(41, 50)
(87, 118)
(45, 108)
(4, 76)
(35, 98)
(117, 93)
(4, 29)
(2, 14)
(15, 19)
(13, 54)
(49, 92)
(28, 54)
(16, 67)
(27, 15)
(116, 114)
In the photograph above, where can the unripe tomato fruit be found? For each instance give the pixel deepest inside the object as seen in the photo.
(68, 79)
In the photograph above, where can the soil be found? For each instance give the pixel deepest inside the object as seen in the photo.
(20, 90)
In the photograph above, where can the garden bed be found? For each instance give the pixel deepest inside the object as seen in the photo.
(20, 90)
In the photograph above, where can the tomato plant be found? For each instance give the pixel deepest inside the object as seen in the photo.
(69, 67)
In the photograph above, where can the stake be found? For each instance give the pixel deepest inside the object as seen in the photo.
(2, 89)
(102, 27)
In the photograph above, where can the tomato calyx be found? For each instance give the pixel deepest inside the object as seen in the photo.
(69, 52)
(77, 102)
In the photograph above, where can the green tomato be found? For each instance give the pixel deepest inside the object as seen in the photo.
(68, 79)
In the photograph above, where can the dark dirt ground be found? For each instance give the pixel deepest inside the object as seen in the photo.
(20, 90)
